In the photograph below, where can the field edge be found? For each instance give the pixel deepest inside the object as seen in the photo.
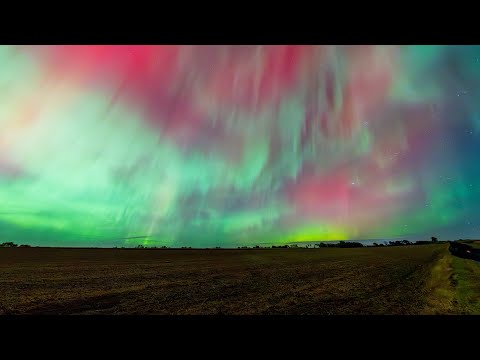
(453, 287)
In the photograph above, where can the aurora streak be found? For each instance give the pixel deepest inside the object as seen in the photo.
(238, 145)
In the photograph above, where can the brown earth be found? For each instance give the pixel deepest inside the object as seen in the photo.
(384, 280)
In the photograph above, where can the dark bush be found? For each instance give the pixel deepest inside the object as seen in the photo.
(423, 242)
(346, 244)
(8, 244)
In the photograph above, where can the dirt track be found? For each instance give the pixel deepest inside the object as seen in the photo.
(272, 281)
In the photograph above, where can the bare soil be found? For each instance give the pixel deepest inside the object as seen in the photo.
(389, 280)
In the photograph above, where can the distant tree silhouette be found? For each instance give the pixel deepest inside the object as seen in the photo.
(434, 239)
(423, 242)
(346, 244)
(8, 244)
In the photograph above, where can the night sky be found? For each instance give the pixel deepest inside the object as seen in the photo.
(238, 145)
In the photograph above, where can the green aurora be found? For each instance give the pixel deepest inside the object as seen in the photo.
(237, 145)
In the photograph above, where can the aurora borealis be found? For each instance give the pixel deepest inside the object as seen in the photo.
(238, 145)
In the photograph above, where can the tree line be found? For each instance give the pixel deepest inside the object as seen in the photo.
(12, 244)
(341, 244)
